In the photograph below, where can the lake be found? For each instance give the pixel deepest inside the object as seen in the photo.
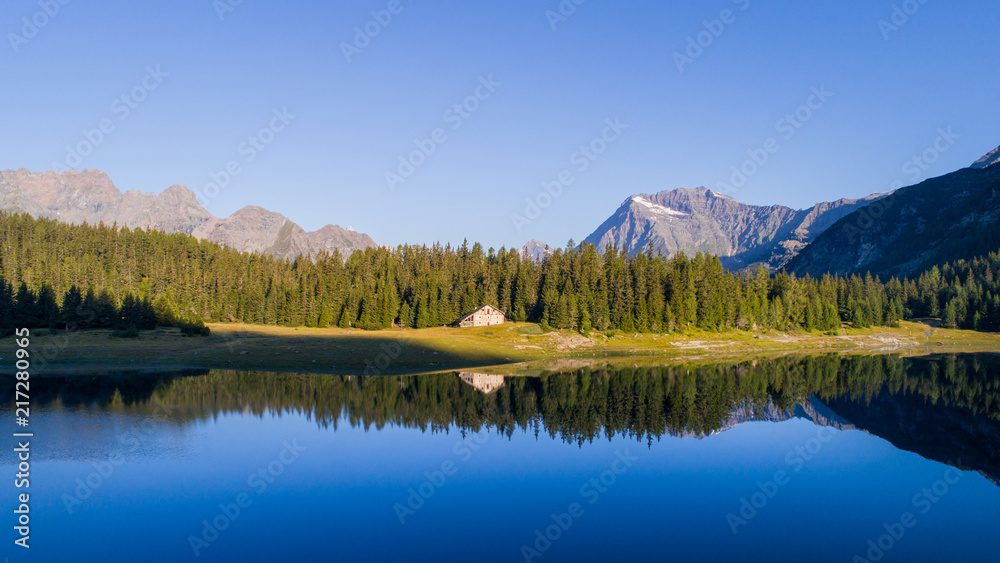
(825, 458)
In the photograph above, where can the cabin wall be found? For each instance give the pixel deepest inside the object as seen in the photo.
(491, 318)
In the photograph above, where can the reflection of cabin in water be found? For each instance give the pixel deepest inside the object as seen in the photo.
(487, 315)
(482, 381)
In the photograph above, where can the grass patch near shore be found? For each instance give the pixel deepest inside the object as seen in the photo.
(335, 350)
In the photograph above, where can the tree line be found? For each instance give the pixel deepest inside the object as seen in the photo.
(590, 403)
(53, 274)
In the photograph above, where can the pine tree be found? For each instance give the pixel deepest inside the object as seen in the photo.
(105, 310)
(176, 279)
(949, 319)
(423, 314)
(47, 307)
(25, 308)
(165, 311)
(72, 309)
(7, 309)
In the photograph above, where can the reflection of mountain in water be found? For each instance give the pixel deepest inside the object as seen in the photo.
(934, 431)
(811, 409)
(944, 408)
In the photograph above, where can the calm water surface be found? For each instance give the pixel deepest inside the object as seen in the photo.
(814, 459)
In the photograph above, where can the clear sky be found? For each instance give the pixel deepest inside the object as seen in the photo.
(547, 84)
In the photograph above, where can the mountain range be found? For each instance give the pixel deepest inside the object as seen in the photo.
(90, 196)
(955, 216)
(944, 219)
(701, 220)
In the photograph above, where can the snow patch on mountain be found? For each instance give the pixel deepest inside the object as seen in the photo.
(655, 208)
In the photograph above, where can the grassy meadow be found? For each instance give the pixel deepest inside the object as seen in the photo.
(340, 351)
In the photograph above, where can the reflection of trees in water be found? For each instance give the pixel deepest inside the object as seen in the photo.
(638, 402)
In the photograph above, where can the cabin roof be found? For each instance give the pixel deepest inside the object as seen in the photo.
(478, 309)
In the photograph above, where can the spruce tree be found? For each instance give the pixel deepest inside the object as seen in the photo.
(25, 308)
(7, 309)
(71, 310)
(47, 307)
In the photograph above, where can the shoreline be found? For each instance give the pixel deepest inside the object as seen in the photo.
(433, 350)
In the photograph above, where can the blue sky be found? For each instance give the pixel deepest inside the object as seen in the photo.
(554, 84)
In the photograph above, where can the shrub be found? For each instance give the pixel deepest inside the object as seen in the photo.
(195, 330)
(130, 332)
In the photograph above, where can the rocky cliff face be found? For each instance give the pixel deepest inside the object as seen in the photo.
(91, 197)
(73, 196)
(176, 210)
(952, 217)
(700, 220)
(255, 229)
(991, 158)
(334, 237)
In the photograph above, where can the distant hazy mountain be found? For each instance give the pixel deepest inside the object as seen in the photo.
(536, 249)
(943, 219)
(75, 197)
(700, 220)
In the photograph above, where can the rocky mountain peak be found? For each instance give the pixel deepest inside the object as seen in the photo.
(330, 230)
(536, 249)
(692, 220)
(989, 159)
(257, 213)
(334, 237)
(179, 194)
(90, 196)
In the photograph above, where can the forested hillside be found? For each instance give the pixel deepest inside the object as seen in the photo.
(53, 274)
(952, 217)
